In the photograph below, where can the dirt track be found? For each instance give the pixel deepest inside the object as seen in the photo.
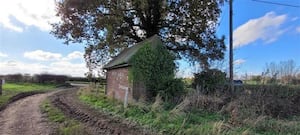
(24, 117)
(95, 122)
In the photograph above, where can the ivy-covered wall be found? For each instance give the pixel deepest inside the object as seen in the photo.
(154, 65)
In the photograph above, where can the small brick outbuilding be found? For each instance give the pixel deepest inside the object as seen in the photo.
(118, 71)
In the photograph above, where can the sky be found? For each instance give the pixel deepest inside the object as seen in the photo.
(263, 33)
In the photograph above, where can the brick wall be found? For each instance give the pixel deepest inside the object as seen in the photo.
(116, 78)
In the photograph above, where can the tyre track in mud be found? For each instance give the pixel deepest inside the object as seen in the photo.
(95, 122)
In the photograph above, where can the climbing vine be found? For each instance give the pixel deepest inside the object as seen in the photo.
(154, 65)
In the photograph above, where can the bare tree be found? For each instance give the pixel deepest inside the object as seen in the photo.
(272, 70)
(288, 70)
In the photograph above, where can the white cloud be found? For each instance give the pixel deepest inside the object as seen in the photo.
(3, 55)
(53, 63)
(68, 68)
(11, 67)
(266, 28)
(42, 55)
(239, 61)
(50, 56)
(7, 24)
(38, 13)
(74, 55)
(65, 68)
(298, 29)
(295, 18)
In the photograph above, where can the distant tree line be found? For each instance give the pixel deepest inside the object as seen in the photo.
(38, 78)
(50, 78)
(43, 78)
(284, 72)
(88, 79)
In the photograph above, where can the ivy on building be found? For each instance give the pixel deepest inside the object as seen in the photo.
(154, 65)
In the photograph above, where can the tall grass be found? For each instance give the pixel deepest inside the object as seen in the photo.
(157, 117)
(252, 110)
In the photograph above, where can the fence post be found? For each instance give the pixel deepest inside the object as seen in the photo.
(125, 96)
(0, 86)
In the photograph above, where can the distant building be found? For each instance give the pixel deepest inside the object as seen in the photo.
(118, 71)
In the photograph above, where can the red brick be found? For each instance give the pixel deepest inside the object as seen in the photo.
(116, 78)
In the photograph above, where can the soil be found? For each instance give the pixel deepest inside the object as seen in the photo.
(94, 121)
(23, 117)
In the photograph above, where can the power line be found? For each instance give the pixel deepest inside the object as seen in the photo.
(222, 17)
(275, 3)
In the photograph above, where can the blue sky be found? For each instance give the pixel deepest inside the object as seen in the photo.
(262, 33)
(279, 37)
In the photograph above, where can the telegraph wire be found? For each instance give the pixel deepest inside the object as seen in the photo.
(275, 3)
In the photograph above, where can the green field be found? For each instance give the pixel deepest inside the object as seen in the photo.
(11, 89)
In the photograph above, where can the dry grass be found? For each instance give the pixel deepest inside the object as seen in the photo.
(195, 99)
(181, 108)
(250, 110)
(246, 111)
(157, 106)
(220, 127)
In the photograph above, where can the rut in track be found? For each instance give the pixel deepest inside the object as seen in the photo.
(95, 122)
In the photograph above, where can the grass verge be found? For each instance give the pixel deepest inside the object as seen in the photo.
(163, 119)
(64, 125)
(159, 119)
(11, 89)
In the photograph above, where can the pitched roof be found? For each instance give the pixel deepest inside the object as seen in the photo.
(122, 59)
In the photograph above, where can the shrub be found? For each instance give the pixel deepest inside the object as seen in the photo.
(172, 88)
(208, 79)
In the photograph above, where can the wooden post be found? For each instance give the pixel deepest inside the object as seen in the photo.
(125, 96)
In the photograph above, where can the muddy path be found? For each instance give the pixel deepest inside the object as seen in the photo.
(95, 122)
(24, 117)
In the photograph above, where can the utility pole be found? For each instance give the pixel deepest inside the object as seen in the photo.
(230, 47)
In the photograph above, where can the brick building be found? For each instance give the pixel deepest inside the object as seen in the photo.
(118, 71)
